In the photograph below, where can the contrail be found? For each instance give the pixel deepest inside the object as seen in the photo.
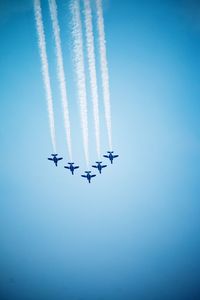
(61, 74)
(80, 72)
(92, 71)
(104, 70)
(45, 70)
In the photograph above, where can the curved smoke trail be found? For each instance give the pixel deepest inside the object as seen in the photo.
(61, 73)
(92, 71)
(104, 70)
(45, 69)
(80, 72)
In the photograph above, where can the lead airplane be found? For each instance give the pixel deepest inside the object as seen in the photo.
(71, 167)
(99, 166)
(55, 159)
(110, 156)
(88, 176)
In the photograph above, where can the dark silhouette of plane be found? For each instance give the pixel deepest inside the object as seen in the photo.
(110, 156)
(99, 166)
(55, 159)
(88, 176)
(71, 167)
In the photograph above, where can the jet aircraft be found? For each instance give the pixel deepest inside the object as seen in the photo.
(99, 166)
(88, 176)
(55, 159)
(110, 156)
(71, 167)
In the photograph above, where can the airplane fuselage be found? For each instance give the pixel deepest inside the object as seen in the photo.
(99, 167)
(88, 177)
(111, 158)
(55, 161)
(72, 169)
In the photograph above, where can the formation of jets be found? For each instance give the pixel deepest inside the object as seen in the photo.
(87, 174)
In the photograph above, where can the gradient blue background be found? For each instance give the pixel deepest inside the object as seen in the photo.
(134, 232)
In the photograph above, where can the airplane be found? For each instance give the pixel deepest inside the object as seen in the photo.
(88, 176)
(99, 166)
(110, 156)
(55, 159)
(71, 167)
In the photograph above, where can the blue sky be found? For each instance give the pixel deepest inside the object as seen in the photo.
(134, 232)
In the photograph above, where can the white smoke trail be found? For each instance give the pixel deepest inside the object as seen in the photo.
(61, 73)
(92, 70)
(80, 72)
(104, 70)
(45, 70)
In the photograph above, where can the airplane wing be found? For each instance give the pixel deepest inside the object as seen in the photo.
(94, 166)
(59, 158)
(50, 158)
(106, 156)
(104, 166)
(76, 167)
(115, 156)
(92, 175)
(66, 167)
(84, 176)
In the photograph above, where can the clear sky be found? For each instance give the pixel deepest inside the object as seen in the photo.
(134, 232)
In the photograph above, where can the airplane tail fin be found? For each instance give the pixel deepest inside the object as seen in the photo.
(98, 162)
(54, 154)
